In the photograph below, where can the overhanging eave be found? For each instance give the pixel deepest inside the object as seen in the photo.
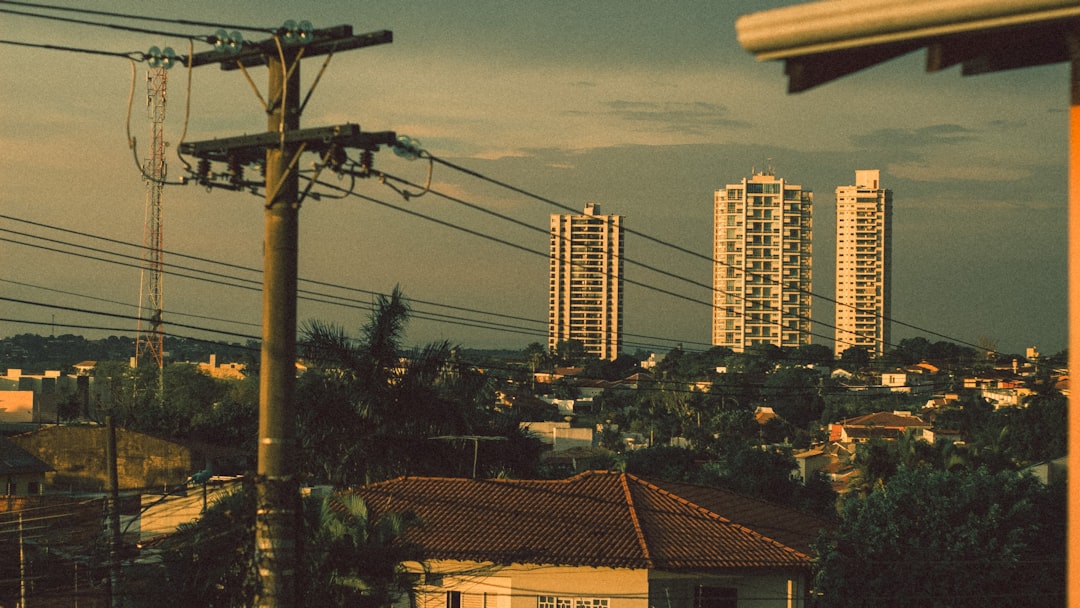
(822, 41)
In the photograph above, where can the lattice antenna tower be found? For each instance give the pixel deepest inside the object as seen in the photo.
(149, 341)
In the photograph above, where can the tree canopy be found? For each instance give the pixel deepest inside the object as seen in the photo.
(940, 538)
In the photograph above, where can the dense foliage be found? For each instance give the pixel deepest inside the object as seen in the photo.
(953, 539)
(370, 410)
(34, 354)
(923, 524)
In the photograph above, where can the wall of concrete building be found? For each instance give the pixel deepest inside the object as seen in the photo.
(77, 455)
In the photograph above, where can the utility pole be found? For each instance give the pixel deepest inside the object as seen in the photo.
(278, 495)
(278, 516)
(114, 513)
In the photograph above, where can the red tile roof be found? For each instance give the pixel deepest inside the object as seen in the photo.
(885, 419)
(598, 519)
(788, 526)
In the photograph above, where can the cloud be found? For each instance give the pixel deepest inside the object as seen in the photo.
(1006, 124)
(688, 117)
(943, 172)
(913, 139)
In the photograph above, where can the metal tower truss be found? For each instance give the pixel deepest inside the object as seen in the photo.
(149, 342)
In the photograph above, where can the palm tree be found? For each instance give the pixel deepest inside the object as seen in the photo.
(369, 408)
(353, 560)
(349, 559)
(537, 355)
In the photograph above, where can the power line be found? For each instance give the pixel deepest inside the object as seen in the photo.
(690, 252)
(439, 160)
(243, 268)
(112, 26)
(124, 304)
(543, 254)
(137, 17)
(133, 55)
(309, 295)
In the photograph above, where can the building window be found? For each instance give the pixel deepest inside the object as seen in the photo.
(551, 601)
(453, 599)
(715, 597)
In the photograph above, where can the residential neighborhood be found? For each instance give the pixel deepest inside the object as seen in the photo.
(672, 479)
(589, 314)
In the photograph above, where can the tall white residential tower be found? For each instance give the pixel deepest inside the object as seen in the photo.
(585, 300)
(762, 263)
(863, 264)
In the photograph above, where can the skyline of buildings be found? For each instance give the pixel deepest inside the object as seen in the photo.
(762, 263)
(762, 269)
(585, 291)
(863, 264)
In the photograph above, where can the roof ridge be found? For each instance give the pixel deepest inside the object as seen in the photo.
(637, 523)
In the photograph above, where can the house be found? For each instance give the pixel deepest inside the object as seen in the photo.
(222, 371)
(1050, 471)
(809, 463)
(596, 540)
(560, 435)
(21, 473)
(653, 360)
(17, 406)
(886, 425)
(85, 368)
(765, 414)
(47, 391)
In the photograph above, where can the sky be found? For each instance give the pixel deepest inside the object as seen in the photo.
(644, 107)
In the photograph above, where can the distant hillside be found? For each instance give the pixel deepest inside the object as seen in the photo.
(34, 354)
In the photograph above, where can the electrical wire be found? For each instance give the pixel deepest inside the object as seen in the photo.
(112, 26)
(771, 308)
(432, 159)
(543, 254)
(684, 250)
(132, 55)
(124, 304)
(255, 285)
(84, 11)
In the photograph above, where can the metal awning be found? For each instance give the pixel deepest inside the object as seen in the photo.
(823, 41)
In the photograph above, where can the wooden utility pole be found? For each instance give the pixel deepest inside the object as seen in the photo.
(278, 517)
(114, 512)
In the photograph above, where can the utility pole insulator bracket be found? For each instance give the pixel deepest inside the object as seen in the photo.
(331, 40)
(247, 149)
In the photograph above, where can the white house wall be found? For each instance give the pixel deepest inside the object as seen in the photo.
(754, 590)
(484, 585)
(522, 585)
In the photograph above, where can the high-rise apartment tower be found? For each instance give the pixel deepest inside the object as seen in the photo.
(762, 263)
(585, 300)
(863, 264)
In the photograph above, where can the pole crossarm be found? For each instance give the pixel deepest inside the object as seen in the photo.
(277, 152)
(326, 41)
(252, 148)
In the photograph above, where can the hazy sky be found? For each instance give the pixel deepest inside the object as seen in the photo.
(644, 107)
